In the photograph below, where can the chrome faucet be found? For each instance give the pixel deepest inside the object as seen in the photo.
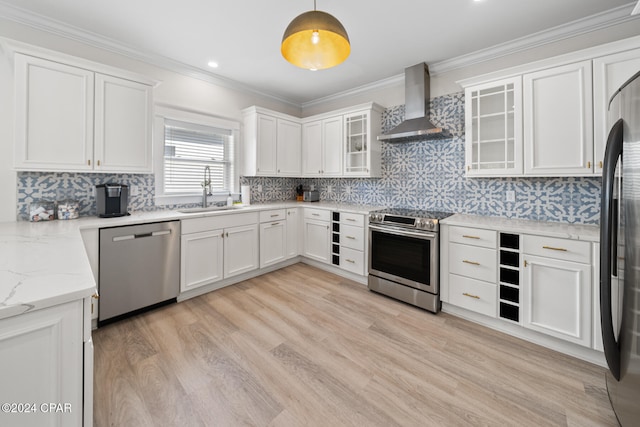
(206, 186)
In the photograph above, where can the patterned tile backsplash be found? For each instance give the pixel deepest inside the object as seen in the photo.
(426, 175)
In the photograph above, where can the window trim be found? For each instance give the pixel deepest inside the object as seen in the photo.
(168, 112)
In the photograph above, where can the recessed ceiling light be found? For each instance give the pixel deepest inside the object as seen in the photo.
(212, 64)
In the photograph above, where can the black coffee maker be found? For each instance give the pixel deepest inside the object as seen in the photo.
(112, 200)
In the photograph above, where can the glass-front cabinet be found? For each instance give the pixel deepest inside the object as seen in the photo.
(493, 121)
(362, 152)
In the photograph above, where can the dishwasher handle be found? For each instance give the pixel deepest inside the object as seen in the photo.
(141, 235)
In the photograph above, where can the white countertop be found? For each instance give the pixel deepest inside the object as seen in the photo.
(589, 233)
(43, 264)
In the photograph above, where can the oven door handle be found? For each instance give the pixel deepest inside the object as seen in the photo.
(388, 230)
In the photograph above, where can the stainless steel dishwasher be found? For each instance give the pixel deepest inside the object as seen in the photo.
(139, 268)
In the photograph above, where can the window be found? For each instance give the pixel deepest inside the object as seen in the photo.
(188, 149)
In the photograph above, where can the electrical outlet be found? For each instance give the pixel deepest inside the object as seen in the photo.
(511, 196)
(259, 188)
(92, 191)
(329, 188)
(134, 190)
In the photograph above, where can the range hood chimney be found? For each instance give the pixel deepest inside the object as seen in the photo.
(416, 125)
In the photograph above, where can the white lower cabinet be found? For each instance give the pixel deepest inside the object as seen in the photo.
(201, 258)
(240, 250)
(557, 298)
(317, 234)
(216, 248)
(273, 237)
(293, 232)
(43, 363)
(530, 285)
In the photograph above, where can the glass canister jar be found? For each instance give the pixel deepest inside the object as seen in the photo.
(68, 209)
(42, 210)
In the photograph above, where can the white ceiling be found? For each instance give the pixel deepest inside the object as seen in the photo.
(244, 36)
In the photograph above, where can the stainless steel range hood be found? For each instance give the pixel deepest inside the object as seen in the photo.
(416, 125)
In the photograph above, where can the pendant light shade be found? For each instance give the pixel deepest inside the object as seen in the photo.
(315, 40)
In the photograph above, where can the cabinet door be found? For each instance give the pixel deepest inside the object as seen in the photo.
(332, 143)
(558, 121)
(557, 298)
(122, 125)
(312, 149)
(201, 259)
(54, 116)
(240, 250)
(609, 73)
(493, 122)
(42, 362)
(293, 234)
(317, 240)
(266, 146)
(357, 147)
(273, 243)
(289, 146)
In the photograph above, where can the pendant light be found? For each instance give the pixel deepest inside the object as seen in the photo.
(315, 40)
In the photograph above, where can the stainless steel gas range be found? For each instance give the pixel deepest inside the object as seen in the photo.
(404, 260)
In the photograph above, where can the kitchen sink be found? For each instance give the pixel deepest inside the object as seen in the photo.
(209, 209)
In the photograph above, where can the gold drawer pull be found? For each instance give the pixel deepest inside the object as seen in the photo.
(588, 165)
(471, 296)
(554, 249)
(470, 262)
(351, 219)
(600, 164)
(274, 215)
(350, 260)
(350, 237)
(470, 237)
(315, 214)
(273, 224)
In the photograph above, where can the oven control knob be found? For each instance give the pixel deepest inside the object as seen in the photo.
(431, 225)
(419, 223)
(379, 217)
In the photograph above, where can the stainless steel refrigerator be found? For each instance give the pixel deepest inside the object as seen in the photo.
(620, 254)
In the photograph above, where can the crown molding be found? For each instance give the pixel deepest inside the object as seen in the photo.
(586, 25)
(582, 26)
(379, 84)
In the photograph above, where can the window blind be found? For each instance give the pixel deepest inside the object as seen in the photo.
(188, 148)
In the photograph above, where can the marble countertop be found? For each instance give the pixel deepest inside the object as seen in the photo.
(589, 233)
(43, 264)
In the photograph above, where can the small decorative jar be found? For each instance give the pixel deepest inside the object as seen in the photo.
(42, 210)
(68, 209)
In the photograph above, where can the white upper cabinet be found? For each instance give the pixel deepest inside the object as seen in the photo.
(322, 142)
(362, 150)
(558, 126)
(609, 73)
(122, 125)
(54, 115)
(75, 119)
(289, 141)
(564, 117)
(271, 144)
(493, 120)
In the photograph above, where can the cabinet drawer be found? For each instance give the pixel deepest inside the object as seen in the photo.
(274, 215)
(473, 295)
(563, 249)
(319, 214)
(473, 236)
(472, 261)
(352, 237)
(352, 260)
(216, 221)
(352, 219)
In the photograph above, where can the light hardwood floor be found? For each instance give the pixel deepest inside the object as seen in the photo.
(303, 347)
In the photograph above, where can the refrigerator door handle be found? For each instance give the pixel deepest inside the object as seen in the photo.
(607, 233)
